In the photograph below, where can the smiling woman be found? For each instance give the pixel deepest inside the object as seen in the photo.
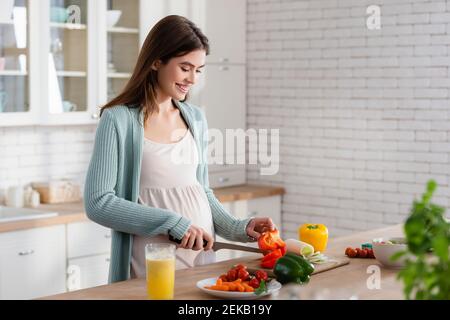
(171, 51)
(136, 184)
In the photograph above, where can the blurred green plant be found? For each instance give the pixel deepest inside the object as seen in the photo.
(426, 275)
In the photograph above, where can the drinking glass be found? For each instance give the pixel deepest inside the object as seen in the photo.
(160, 270)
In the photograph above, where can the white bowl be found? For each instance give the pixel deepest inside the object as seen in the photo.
(384, 251)
(113, 17)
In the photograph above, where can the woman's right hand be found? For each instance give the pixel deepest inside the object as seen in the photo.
(193, 239)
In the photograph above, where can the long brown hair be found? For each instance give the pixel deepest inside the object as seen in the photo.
(173, 36)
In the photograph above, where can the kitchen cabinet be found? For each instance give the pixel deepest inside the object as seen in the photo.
(65, 58)
(87, 238)
(223, 99)
(88, 251)
(224, 23)
(19, 82)
(242, 209)
(32, 263)
(116, 62)
(221, 89)
(69, 47)
(87, 272)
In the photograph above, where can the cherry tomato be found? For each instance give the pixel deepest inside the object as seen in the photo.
(224, 277)
(261, 275)
(243, 274)
(232, 275)
(352, 253)
(362, 253)
(254, 283)
(240, 266)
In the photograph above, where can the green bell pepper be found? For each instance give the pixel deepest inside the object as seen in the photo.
(292, 269)
(308, 266)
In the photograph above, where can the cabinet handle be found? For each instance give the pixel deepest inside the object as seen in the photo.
(26, 253)
(223, 68)
(222, 179)
(95, 116)
(224, 59)
(107, 236)
(107, 259)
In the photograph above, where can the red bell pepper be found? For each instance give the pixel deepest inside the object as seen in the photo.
(270, 241)
(271, 258)
(274, 246)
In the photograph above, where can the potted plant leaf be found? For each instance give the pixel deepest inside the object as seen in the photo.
(426, 275)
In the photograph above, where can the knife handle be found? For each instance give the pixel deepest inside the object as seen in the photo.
(171, 238)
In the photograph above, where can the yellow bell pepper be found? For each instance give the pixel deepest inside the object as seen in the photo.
(314, 234)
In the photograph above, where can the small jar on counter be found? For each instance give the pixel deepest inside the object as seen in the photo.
(32, 198)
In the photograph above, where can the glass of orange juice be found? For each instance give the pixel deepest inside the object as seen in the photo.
(160, 267)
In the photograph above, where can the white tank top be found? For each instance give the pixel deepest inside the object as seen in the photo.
(168, 181)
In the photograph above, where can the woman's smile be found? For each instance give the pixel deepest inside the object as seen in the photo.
(182, 88)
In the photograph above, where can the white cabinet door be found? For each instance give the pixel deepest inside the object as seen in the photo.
(87, 238)
(223, 99)
(87, 272)
(32, 263)
(225, 26)
(223, 96)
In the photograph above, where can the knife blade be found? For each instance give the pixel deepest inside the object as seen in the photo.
(223, 245)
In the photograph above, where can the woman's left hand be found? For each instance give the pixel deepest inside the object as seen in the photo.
(256, 226)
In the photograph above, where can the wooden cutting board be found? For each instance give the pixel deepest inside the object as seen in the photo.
(334, 262)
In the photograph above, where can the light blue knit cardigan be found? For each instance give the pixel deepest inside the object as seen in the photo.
(112, 186)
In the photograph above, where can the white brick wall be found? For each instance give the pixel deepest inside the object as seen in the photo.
(29, 154)
(365, 114)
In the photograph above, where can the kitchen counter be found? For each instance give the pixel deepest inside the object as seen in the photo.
(349, 281)
(74, 212)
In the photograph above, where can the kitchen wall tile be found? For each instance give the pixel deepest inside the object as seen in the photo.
(41, 153)
(368, 110)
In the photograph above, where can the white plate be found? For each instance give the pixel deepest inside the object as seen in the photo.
(272, 286)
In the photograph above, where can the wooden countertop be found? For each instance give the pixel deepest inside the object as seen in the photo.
(74, 212)
(340, 283)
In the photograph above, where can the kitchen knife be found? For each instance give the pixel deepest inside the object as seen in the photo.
(223, 245)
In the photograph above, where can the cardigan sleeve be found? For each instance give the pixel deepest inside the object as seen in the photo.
(103, 206)
(225, 224)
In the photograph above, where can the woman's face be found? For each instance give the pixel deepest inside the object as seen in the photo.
(177, 76)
